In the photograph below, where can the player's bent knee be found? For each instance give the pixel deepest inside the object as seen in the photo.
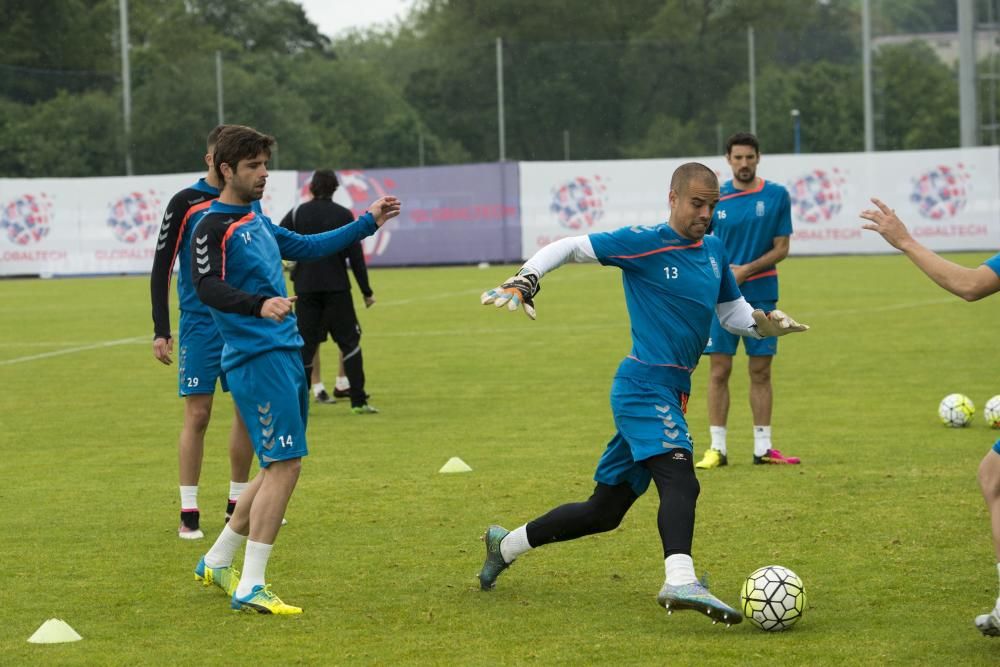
(989, 476)
(198, 411)
(609, 506)
(673, 473)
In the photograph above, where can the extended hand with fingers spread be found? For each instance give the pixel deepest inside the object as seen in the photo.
(776, 323)
(515, 291)
(885, 221)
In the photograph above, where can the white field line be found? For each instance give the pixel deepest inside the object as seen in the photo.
(451, 332)
(880, 309)
(72, 350)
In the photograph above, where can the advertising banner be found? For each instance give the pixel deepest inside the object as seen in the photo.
(950, 199)
(451, 215)
(70, 226)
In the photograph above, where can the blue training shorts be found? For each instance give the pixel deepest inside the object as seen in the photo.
(721, 341)
(996, 446)
(272, 394)
(650, 421)
(200, 355)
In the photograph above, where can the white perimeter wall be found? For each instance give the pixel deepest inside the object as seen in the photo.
(949, 198)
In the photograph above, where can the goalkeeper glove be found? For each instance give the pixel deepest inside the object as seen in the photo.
(515, 291)
(776, 323)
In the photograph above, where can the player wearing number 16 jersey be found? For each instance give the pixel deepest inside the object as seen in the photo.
(676, 279)
(754, 221)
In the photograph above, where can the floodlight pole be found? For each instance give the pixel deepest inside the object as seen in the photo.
(126, 83)
(866, 74)
(218, 87)
(966, 73)
(500, 119)
(796, 131)
(752, 80)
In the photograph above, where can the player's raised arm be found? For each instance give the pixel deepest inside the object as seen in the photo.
(520, 289)
(967, 283)
(313, 246)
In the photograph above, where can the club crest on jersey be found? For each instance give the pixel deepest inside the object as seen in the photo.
(715, 267)
(760, 209)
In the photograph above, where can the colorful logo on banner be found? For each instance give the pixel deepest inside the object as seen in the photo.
(362, 190)
(941, 192)
(26, 219)
(579, 203)
(134, 217)
(817, 196)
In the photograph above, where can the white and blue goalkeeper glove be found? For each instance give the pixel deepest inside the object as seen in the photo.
(776, 323)
(516, 291)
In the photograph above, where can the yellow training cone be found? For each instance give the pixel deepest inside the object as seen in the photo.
(455, 464)
(54, 631)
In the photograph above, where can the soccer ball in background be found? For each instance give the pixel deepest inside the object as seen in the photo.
(773, 598)
(956, 410)
(991, 412)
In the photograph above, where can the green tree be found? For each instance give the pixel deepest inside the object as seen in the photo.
(916, 99)
(49, 47)
(68, 135)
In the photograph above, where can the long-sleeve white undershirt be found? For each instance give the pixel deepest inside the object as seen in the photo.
(735, 316)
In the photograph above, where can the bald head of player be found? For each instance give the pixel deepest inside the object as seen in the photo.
(694, 192)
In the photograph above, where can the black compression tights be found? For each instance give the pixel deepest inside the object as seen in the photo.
(602, 512)
(673, 474)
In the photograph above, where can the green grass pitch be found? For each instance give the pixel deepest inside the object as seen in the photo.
(883, 521)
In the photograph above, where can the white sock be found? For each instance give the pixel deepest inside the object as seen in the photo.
(254, 565)
(998, 598)
(317, 388)
(761, 440)
(224, 550)
(342, 383)
(680, 570)
(515, 544)
(189, 498)
(236, 490)
(718, 438)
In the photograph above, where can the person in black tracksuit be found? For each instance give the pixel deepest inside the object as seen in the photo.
(324, 302)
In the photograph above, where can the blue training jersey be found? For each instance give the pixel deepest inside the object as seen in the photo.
(236, 266)
(671, 286)
(747, 222)
(994, 263)
(186, 297)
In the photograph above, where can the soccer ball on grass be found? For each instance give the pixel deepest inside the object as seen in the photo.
(956, 410)
(773, 598)
(991, 412)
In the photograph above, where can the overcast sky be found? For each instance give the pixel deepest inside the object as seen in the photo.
(336, 16)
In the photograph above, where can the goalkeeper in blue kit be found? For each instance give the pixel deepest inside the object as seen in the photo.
(675, 279)
(237, 271)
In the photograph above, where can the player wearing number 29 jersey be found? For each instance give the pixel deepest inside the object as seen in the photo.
(200, 348)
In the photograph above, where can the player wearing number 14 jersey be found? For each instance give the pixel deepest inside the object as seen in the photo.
(676, 279)
(236, 266)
